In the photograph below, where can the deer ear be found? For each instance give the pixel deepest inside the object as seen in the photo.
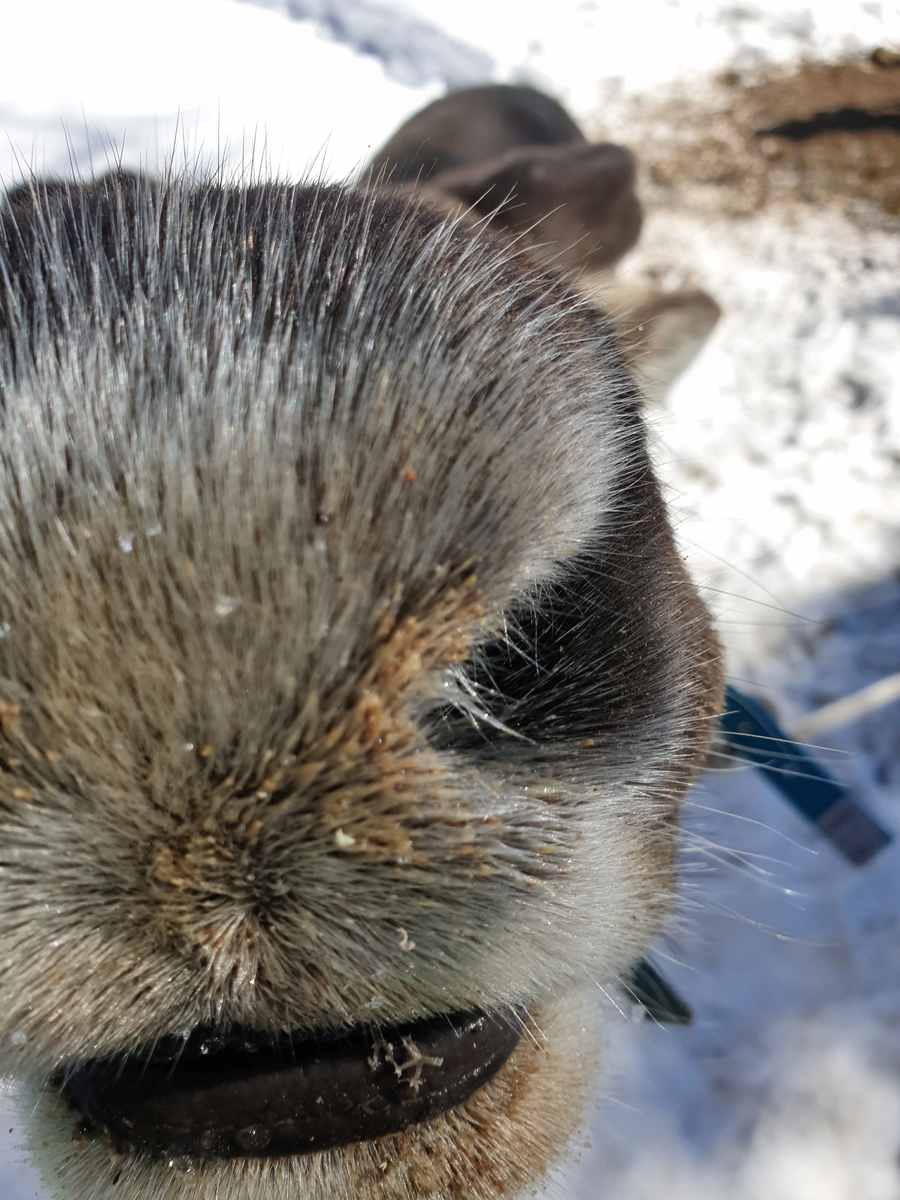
(661, 332)
(575, 203)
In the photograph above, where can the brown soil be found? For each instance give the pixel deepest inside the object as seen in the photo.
(750, 141)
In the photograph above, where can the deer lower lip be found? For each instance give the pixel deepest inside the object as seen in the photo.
(225, 1097)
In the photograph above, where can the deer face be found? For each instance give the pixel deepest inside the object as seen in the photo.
(349, 684)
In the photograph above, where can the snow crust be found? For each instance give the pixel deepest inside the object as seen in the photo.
(780, 448)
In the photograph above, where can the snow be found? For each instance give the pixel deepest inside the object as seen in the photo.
(91, 82)
(576, 47)
(411, 50)
(781, 445)
(780, 448)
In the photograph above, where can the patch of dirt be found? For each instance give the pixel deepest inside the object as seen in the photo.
(821, 133)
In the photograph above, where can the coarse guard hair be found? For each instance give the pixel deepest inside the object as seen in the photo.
(349, 682)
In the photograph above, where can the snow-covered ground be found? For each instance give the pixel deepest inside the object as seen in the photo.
(781, 448)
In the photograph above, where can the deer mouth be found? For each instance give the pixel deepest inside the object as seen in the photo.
(243, 1094)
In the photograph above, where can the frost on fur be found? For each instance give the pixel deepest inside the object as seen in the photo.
(348, 673)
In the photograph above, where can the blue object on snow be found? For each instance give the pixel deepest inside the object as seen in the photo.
(753, 734)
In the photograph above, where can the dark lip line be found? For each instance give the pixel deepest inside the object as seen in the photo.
(289, 1094)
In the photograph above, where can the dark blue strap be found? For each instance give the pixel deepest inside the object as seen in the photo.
(754, 735)
(751, 733)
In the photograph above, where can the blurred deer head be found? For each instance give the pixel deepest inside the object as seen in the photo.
(514, 157)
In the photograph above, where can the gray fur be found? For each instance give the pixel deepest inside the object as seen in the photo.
(296, 484)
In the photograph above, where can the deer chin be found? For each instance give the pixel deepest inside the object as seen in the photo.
(471, 1105)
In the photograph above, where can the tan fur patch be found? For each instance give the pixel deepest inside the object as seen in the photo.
(365, 777)
(370, 764)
